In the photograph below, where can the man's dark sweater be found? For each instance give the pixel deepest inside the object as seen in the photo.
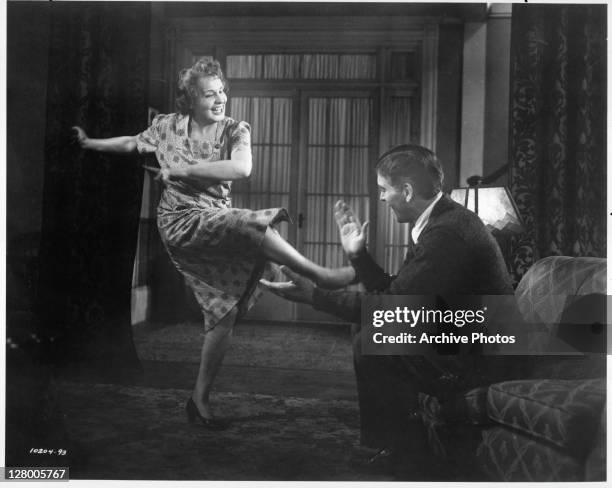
(455, 255)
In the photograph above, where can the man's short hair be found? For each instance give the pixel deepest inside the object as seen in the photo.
(415, 164)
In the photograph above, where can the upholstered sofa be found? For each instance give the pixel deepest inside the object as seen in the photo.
(548, 424)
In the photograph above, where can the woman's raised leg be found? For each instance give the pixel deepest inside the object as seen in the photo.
(277, 249)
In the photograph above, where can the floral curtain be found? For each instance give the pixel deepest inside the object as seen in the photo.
(557, 140)
(98, 78)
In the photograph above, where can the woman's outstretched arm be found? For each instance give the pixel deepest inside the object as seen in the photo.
(237, 167)
(116, 145)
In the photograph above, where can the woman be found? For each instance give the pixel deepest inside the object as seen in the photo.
(221, 251)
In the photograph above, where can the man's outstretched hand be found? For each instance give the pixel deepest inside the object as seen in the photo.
(353, 235)
(298, 289)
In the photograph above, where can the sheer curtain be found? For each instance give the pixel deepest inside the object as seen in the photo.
(337, 164)
(396, 237)
(338, 146)
(271, 121)
(337, 158)
(302, 66)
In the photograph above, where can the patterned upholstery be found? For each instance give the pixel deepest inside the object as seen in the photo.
(535, 429)
(565, 413)
(542, 292)
(595, 469)
(509, 456)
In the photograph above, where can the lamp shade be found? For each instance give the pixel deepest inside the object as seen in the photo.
(496, 208)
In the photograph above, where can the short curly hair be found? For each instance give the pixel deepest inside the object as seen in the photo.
(188, 82)
(415, 164)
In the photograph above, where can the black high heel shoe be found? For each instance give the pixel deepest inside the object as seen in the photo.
(210, 423)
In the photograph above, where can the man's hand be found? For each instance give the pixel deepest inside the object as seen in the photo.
(299, 289)
(353, 235)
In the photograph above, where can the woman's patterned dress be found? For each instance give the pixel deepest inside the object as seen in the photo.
(214, 246)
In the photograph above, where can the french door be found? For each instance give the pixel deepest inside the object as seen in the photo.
(337, 145)
(310, 148)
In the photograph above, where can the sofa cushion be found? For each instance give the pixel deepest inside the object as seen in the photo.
(506, 455)
(595, 469)
(543, 291)
(565, 413)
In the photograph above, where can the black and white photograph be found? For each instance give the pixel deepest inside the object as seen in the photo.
(305, 241)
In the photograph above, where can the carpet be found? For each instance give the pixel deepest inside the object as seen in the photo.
(140, 433)
(288, 391)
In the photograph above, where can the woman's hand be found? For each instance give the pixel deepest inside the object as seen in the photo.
(162, 174)
(115, 145)
(353, 235)
(79, 136)
(236, 168)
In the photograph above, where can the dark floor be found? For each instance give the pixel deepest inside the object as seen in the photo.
(288, 391)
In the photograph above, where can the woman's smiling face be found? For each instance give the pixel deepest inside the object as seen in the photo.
(209, 105)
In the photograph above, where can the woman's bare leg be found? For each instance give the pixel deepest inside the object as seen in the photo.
(277, 249)
(216, 343)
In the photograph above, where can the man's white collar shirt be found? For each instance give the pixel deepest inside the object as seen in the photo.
(421, 222)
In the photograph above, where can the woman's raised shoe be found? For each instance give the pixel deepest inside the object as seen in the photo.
(208, 422)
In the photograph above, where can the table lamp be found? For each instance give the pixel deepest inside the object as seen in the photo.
(493, 204)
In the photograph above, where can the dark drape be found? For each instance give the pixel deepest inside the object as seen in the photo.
(558, 122)
(98, 75)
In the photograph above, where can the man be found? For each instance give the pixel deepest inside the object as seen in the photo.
(452, 254)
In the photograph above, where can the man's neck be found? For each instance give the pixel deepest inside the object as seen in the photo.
(421, 222)
(420, 206)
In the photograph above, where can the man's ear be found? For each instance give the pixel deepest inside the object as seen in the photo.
(408, 191)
